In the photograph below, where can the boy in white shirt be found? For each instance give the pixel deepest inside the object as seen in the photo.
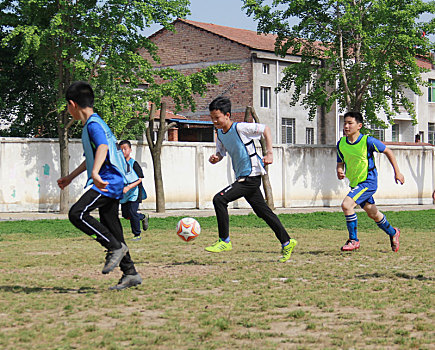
(238, 140)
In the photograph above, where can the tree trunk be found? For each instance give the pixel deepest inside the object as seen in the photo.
(156, 150)
(158, 181)
(266, 182)
(64, 160)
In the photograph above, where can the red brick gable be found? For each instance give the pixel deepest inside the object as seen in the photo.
(249, 38)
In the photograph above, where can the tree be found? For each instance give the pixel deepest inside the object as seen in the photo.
(358, 53)
(250, 112)
(96, 41)
(156, 151)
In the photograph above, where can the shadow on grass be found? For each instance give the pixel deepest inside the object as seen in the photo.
(60, 290)
(189, 262)
(398, 274)
(418, 277)
(318, 252)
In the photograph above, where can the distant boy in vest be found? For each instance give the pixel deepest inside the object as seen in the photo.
(238, 140)
(134, 193)
(104, 165)
(355, 152)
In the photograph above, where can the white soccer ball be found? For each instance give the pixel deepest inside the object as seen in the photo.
(188, 229)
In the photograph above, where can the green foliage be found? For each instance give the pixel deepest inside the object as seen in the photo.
(370, 46)
(57, 42)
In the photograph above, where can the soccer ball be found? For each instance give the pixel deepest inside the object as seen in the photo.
(188, 229)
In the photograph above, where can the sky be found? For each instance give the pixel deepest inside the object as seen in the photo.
(222, 12)
(226, 13)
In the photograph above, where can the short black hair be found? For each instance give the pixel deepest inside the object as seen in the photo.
(356, 115)
(222, 104)
(81, 93)
(125, 142)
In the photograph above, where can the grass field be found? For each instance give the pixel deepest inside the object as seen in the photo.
(53, 295)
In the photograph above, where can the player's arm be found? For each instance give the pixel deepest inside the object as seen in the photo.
(100, 157)
(341, 174)
(215, 158)
(132, 185)
(340, 171)
(398, 176)
(66, 180)
(138, 170)
(268, 158)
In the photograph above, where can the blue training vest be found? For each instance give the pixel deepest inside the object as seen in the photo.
(116, 157)
(240, 157)
(133, 194)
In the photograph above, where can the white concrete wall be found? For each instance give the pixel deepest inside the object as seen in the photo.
(300, 175)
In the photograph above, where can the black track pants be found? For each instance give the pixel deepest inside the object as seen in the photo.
(249, 188)
(108, 230)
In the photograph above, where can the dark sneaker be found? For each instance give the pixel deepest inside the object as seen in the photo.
(145, 221)
(394, 241)
(127, 281)
(114, 257)
(136, 238)
(350, 245)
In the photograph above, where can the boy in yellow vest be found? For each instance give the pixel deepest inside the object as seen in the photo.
(355, 152)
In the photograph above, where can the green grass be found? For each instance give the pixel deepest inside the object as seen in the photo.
(53, 295)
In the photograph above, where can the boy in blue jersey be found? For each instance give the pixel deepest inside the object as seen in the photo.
(130, 205)
(238, 140)
(108, 184)
(355, 161)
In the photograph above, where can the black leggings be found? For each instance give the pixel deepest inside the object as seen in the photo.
(108, 230)
(249, 188)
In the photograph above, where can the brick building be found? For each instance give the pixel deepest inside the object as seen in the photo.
(196, 45)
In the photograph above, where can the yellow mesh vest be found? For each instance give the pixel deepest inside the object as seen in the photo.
(355, 159)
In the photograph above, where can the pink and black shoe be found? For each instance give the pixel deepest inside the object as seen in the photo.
(350, 245)
(394, 241)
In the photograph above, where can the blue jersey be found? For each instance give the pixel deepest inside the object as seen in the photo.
(107, 172)
(373, 145)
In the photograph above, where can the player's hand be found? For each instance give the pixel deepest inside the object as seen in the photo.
(340, 174)
(125, 190)
(214, 159)
(399, 178)
(98, 181)
(63, 182)
(268, 158)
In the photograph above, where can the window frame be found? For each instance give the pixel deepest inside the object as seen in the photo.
(288, 123)
(395, 134)
(431, 91)
(265, 68)
(377, 132)
(265, 98)
(431, 133)
(309, 136)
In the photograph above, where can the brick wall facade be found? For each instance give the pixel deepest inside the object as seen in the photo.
(190, 49)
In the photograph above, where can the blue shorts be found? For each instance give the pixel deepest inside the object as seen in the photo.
(363, 193)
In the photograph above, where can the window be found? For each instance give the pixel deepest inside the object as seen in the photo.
(265, 97)
(265, 68)
(395, 132)
(431, 133)
(421, 134)
(309, 136)
(431, 90)
(305, 88)
(288, 130)
(378, 133)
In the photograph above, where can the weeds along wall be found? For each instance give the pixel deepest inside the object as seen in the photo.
(301, 176)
